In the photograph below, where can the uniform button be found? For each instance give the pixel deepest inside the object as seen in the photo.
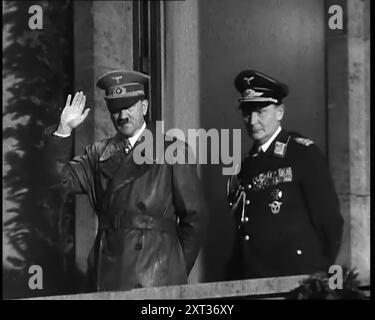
(247, 202)
(249, 186)
(299, 252)
(246, 219)
(230, 203)
(247, 238)
(138, 246)
(141, 206)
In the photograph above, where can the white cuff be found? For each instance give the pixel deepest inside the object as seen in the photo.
(61, 135)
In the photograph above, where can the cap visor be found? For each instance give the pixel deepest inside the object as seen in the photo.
(117, 104)
(255, 105)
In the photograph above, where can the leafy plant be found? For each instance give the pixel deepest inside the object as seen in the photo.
(317, 287)
(38, 227)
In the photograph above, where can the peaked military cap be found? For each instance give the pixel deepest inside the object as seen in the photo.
(259, 89)
(123, 88)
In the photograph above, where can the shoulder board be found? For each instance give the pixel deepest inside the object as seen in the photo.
(304, 141)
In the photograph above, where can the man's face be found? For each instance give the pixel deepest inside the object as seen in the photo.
(262, 123)
(128, 121)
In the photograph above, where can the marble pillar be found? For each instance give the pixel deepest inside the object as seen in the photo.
(359, 132)
(181, 86)
(348, 95)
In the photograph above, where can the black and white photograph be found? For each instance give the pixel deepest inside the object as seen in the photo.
(197, 150)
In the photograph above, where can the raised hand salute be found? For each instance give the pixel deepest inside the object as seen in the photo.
(73, 114)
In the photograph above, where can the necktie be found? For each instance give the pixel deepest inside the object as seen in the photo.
(127, 146)
(259, 152)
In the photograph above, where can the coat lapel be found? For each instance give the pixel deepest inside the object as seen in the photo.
(129, 170)
(112, 157)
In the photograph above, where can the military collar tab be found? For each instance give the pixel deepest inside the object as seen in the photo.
(281, 145)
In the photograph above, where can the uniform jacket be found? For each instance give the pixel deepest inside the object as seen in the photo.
(286, 210)
(151, 216)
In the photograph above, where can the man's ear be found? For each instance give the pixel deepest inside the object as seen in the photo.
(280, 112)
(144, 106)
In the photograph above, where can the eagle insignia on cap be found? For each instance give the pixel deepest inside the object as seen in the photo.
(248, 80)
(117, 78)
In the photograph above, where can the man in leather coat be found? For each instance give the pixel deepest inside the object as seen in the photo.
(151, 216)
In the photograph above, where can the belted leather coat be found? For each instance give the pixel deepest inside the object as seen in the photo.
(152, 216)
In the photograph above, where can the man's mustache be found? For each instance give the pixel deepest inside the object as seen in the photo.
(121, 122)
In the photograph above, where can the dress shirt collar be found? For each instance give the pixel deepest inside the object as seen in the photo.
(266, 145)
(137, 134)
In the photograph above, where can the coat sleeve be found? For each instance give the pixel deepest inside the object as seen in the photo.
(191, 208)
(322, 200)
(62, 173)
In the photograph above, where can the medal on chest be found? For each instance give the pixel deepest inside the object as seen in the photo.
(275, 205)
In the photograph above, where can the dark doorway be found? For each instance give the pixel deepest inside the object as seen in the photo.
(147, 49)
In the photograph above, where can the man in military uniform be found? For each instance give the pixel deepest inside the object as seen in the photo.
(283, 199)
(151, 216)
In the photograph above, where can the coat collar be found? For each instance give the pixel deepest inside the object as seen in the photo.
(113, 147)
(116, 143)
(277, 148)
(266, 145)
(120, 167)
(129, 169)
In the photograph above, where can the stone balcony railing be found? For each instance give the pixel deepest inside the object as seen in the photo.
(258, 288)
(265, 288)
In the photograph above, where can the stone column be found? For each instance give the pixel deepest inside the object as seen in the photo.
(359, 132)
(348, 94)
(181, 87)
(102, 41)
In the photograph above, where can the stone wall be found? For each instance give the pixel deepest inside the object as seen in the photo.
(348, 61)
(103, 41)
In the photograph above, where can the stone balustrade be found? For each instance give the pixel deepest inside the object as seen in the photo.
(210, 290)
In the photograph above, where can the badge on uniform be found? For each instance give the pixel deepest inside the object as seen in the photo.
(275, 205)
(280, 149)
(304, 141)
(272, 178)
